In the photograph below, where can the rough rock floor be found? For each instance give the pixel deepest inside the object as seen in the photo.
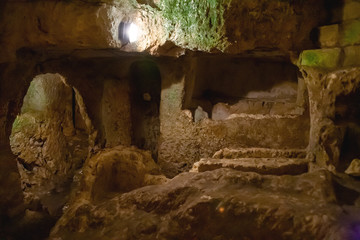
(218, 204)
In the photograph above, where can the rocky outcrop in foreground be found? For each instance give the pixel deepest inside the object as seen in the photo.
(219, 204)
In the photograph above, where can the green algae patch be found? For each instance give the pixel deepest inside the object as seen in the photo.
(195, 24)
(22, 122)
(351, 33)
(321, 58)
(17, 125)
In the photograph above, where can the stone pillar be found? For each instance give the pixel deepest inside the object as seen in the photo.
(324, 86)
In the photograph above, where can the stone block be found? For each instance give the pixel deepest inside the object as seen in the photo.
(352, 56)
(329, 35)
(321, 58)
(350, 33)
(351, 10)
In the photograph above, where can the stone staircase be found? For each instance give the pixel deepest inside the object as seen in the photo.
(260, 160)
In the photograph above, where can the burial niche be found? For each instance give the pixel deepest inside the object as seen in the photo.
(223, 86)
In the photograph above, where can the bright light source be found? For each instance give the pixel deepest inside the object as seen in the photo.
(133, 33)
(128, 32)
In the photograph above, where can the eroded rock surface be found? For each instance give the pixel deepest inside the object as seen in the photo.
(118, 169)
(47, 146)
(220, 204)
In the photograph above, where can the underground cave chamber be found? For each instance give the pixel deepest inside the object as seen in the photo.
(157, 111)
(221, 120)
(53, 132)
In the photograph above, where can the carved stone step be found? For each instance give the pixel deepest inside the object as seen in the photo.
(259, 153)
(270, 107)
(271, 166)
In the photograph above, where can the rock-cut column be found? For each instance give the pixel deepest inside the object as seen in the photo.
(323, 87)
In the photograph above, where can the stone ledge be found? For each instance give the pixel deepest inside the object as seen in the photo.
(259, 153)
(269, 166)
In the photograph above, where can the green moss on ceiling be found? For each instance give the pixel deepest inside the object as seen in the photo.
(195, 24)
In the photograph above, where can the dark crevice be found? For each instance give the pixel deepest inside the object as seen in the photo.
(314, 36)
(347, 115)
(333, 10)
(344, 195)
(40, 26)
(27, 166)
